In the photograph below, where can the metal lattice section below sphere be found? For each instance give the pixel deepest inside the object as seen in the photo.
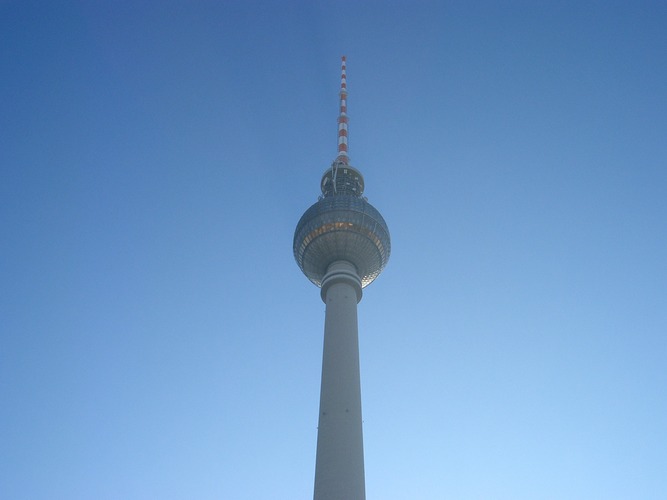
(343, 227)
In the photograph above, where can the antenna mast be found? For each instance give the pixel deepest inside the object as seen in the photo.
(342, 118)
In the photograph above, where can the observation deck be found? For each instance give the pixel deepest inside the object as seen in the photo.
(342, 225)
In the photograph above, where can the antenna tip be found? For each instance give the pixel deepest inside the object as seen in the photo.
(343, 58)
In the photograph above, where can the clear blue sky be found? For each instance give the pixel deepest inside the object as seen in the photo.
(157, 338)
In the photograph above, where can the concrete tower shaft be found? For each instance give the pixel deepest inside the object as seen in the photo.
(339, 467)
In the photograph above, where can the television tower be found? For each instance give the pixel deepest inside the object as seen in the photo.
(341, 244)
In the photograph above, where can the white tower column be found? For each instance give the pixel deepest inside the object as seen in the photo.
(339, 469)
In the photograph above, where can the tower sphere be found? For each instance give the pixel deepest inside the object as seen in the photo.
(342, 225)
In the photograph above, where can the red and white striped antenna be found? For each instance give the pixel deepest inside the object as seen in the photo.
(342, 118)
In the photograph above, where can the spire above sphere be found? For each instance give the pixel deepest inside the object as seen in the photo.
(347, 180)
(342, 225)
(342, 117)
